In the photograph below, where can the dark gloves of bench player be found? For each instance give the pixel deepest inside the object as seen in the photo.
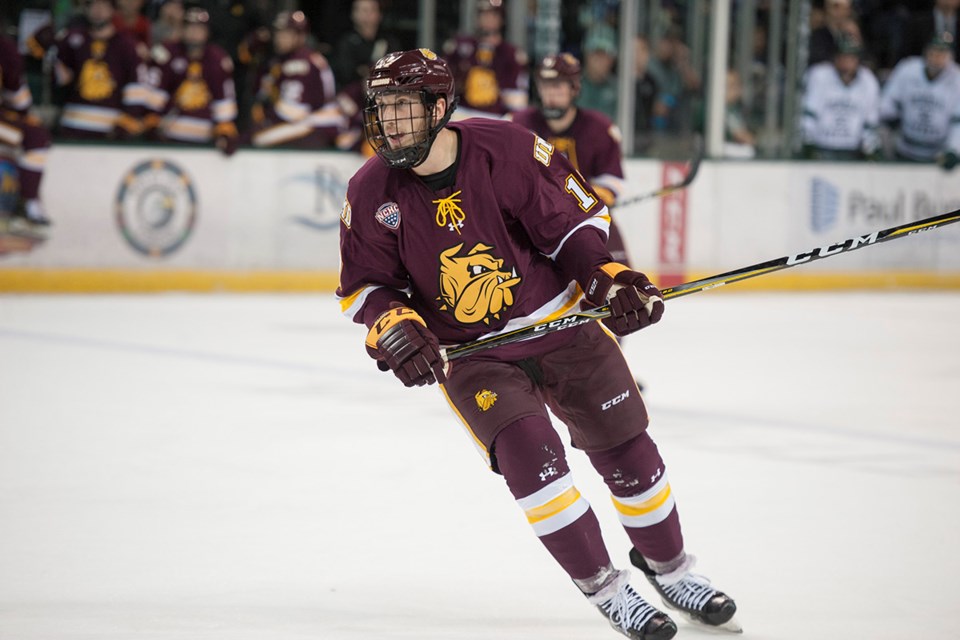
(401, 342)
(634, 302)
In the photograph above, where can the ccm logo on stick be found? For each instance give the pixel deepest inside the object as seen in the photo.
(562, 323)
(833, 249)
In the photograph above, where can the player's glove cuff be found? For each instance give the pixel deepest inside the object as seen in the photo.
(634, 301)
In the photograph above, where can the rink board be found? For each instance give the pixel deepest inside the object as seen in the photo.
(148, 219)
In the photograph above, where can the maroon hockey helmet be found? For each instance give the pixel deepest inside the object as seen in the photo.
(292, 20)
(560, 66)
(403, 137)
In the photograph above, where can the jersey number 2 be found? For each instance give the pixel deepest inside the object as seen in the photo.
(584, 199)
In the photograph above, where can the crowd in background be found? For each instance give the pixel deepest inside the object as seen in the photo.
(238, 73)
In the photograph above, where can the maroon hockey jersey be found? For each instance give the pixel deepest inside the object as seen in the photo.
(477, 258)
(104, 79)
(490, 80)
(195, 98)
(14, 92)
(295, 102)
(591, 142)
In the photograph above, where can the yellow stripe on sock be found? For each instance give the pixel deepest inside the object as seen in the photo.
(645, 507)
(552, 508)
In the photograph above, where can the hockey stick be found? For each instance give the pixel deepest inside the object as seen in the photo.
(670, 188)
(712, 282)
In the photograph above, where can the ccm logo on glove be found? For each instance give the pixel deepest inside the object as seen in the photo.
(401, 342)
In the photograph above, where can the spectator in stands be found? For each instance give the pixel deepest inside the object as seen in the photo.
(678, 83)
(924, 25)
(365, 44)
(838, 20)
(491, 74)
(295, 93)
(645, 87)
(193, 97)
(234, 25)
(841, 107)
(882, 23)
(921, 100)
(599, 83)
(739, 141)
(99, 72)
(22, 131)
(129, 18)
(355, 53)
(168, 26)
(231, 21)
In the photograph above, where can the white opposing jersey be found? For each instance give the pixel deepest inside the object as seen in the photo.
(928, 111)
(838, 116)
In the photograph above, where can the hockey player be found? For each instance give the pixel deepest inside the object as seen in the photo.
(922, 101)
(490, 72)
(193, 98)
(294, 105)
(460, 230)
(589, 140)
(103, 77)
(23, 132)
(841, 107)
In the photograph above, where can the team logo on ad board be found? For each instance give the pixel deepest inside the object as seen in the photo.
(389, 215)
(156, 208)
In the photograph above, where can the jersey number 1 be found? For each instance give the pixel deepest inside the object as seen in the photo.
(584, 199)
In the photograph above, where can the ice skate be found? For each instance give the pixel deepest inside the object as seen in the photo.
(629, 613)
(33, 212)
(691, 595)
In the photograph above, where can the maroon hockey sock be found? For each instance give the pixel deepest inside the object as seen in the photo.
(29, 184)
(531, 458)
(636, 476)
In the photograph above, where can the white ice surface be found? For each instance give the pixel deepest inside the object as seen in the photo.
(235, 467)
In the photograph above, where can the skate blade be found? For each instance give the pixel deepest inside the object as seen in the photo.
(730, 626)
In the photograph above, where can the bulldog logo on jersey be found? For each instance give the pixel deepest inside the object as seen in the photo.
(475, 287)
(389, 215)
(485, 399)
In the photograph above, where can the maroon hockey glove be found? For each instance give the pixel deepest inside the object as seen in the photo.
(226, 138)
(634, 302)
(400, 341)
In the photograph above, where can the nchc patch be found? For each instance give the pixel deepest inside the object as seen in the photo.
(389, 215)
(485, 399)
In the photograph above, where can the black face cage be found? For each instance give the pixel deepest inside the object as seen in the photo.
(377, 129)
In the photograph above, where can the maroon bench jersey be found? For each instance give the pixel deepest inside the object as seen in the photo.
(476, 258)
(591, 142)
(14, 92)
(103, 78)
(491, 80)
(196, 96)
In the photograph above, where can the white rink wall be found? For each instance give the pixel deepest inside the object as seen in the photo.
(190, 219)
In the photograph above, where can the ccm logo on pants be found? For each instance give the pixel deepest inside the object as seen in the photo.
(620, 398)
